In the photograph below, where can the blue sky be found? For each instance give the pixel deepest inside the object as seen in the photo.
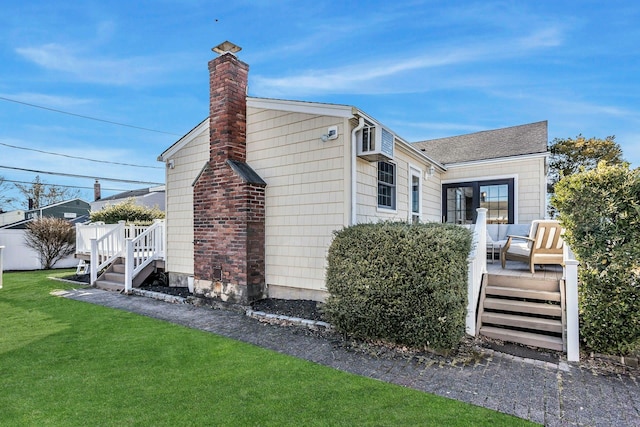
(426, 69)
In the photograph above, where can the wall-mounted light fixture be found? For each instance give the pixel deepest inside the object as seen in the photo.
(430, 172)
(332, 133)
(171, 164)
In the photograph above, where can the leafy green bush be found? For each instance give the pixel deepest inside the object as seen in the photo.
(398, 282)
(600, 210)
(127, 211)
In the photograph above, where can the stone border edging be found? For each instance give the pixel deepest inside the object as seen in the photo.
(174, 299)
(296, 320)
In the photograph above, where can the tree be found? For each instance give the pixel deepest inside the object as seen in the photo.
(600, 211)
(43, 194)
(5, 199)
(126, 211)
(570, 156)
(52, 238)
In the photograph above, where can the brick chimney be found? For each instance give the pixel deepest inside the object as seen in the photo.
(228, 195)
(97, 195)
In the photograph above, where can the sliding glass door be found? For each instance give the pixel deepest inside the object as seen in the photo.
(460, 201)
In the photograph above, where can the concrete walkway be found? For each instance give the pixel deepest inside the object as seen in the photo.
(553, 394)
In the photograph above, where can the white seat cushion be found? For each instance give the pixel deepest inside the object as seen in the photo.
(519, 248)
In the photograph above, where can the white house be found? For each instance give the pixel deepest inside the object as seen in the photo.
(255, 191)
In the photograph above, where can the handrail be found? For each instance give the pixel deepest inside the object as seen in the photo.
(141, 250)
(105, 249)
(477, 266)
(570, 273)
(139, 245)
(86, 232)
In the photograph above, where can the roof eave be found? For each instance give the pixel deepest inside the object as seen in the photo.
(498, 159)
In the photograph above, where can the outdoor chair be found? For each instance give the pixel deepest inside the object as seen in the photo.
(543, 246)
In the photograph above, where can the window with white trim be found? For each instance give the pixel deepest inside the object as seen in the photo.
(386, 185)
(415, 189)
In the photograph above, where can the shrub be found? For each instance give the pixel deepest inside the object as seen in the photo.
(52, 238)
(401, 283)
(127, 211)
(600, 210)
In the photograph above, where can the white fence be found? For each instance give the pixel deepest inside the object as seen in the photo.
(18, 256)
(1, 266)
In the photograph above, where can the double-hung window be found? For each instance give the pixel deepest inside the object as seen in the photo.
(386, 185)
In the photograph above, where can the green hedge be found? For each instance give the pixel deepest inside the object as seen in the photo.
(127, 211)
(600, 210)
(398, 282)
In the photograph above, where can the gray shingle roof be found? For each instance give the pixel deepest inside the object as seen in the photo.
(246, 172)
(127, 194)
(506, 142)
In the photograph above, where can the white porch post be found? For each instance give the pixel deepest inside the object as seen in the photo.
(1, 266)
(93, 264)
(128, 265)
(571, 296)
(477, 267)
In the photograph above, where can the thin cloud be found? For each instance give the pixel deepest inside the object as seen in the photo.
(369, 75)
(113, 71)
(579, 108)
(546, 37)
(46, 100)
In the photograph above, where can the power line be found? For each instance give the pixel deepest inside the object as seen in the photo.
(86, 117)
(62, 185)
(130, 181)
(79, 158)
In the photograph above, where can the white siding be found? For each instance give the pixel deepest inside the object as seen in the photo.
(530, 179)
(367, 189)
(188, 163)
(306, 195)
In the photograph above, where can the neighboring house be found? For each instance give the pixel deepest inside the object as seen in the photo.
(255, 192)
(11, 217)
(152, 197)
(75, 210)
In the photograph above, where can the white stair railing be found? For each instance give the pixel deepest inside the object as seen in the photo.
(146, 247)
(476, 268)
(570, 271)
(105, 249)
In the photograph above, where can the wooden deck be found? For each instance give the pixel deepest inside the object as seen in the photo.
(521, 269)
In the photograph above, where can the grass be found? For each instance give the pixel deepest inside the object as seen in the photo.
(68, 363)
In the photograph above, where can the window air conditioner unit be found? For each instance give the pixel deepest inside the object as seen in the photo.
(375, 143)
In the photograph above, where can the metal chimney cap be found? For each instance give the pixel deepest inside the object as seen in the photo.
(225, 47)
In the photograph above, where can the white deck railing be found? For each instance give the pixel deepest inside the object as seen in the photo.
(477, 267)
(95, 230)
(146, 247)
(138, 245)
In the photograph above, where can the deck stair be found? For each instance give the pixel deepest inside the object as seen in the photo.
(113, 277)
(524, 310)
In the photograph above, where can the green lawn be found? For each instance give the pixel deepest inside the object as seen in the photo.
(68, 363)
